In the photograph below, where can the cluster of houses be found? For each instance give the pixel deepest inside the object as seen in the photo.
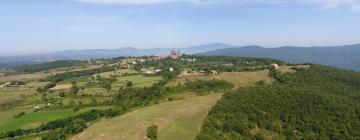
(174, 54)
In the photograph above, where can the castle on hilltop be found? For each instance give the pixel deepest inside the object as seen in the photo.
(175, 54)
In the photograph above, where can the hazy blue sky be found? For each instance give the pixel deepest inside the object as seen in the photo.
(39, 26)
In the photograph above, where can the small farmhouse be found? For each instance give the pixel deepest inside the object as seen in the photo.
(275, 66)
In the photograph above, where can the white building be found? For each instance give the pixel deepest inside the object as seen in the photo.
(275, 66)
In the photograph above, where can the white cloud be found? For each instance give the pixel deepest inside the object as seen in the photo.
(325, 4)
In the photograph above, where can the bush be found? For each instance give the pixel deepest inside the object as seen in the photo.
(19, 115)
(152, 132)
(76, 109)
(62, 94)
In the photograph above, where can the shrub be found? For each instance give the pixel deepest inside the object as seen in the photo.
(152, 132)
(19, 115)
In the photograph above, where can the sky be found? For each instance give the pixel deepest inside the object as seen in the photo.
(43, 26)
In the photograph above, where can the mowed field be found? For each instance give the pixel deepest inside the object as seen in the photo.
(180, 119)
(177, 120)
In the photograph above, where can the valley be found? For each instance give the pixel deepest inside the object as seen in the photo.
(120, 98)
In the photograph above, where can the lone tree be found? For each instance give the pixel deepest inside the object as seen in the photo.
(152, 132)
(129, 84)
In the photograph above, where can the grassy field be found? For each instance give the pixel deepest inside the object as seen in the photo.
(31, 119)
(34, 119)
(14, 93)
(138, 80)
(119, 73)
(61, 87)
(238, 78)
(288, 69)
(177, 120)
(180, 119)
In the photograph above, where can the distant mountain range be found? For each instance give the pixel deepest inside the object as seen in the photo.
(10, 61)
(347, 56)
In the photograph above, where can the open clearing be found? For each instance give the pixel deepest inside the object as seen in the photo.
(43, 74)
(61, 87)
(32, 120)
(289, 69)
(180, 119)
(118, 73)
(238, 78)
(13, 93)
(138, 80)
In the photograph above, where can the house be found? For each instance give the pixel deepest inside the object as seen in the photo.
(213, 72)
(7, 84)
(189, 59)
(36, 107)
(10, 84)
(142, 60)
(149, 72)
(158, 70)
(275, 66)
(202, 72)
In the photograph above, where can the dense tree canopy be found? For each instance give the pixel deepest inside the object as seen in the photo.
(319, 103)
(47, 66)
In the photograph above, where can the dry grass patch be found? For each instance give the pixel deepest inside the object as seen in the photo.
(289, 69)
(61, 87)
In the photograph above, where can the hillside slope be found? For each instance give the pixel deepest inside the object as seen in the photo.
(340, 56)
(318, 103)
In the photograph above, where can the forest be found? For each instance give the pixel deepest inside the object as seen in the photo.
(47, 66)
(318, 103)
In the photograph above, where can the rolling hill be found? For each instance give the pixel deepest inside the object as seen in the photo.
(339, 56)
(11, 61)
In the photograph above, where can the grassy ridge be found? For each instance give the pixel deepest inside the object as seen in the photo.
(47, 66)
